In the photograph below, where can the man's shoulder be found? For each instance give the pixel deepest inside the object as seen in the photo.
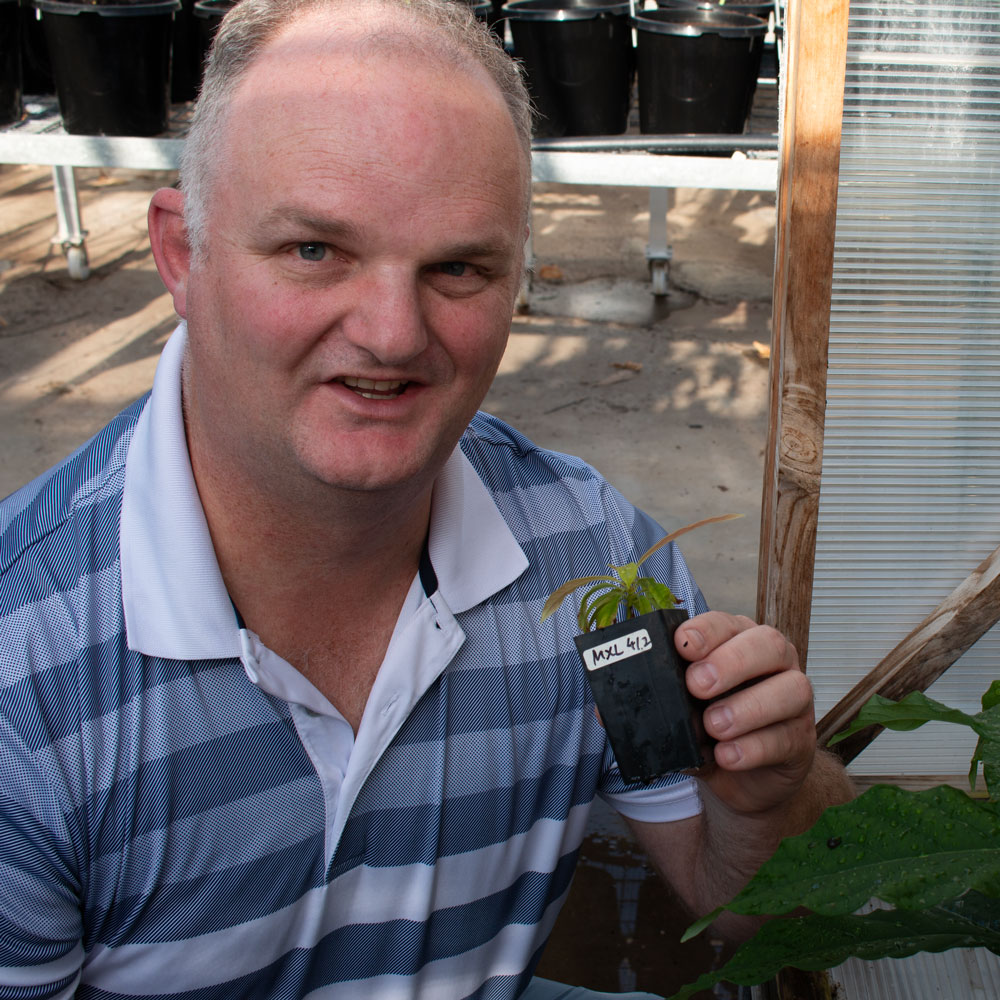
(77, 499)
(499, 451)
(545, 494)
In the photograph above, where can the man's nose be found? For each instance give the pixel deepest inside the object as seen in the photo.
(387, 318)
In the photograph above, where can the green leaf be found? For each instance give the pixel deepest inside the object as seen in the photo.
(909, 713)
(683, 531)
(987, 749)
(991, 697)
(822, 942)
(604, 610)
(660, 594)
(556, 598)
(627, 574)
(640, 604)
(910, 849)
(591, 597)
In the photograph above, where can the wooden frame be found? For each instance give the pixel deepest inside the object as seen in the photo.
(815, 57)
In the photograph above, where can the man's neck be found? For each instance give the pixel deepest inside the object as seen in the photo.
(311, 575)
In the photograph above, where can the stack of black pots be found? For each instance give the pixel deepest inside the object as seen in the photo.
(695, 62)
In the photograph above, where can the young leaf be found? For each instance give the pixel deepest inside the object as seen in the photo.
(602, 611)
(822, 942)
(556, 598)
(660, 594)
(627, 574)
(683, 531)
(591, 597)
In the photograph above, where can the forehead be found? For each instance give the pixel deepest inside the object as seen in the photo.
(381, 83)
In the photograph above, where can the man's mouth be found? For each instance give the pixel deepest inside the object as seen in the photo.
(372, 389)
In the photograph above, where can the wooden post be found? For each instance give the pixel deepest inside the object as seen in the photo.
(816, 34)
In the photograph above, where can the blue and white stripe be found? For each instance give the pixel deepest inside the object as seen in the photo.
(168, 823)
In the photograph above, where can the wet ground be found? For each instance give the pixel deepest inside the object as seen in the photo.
(621, 927)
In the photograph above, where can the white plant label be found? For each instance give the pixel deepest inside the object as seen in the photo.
(617, 649)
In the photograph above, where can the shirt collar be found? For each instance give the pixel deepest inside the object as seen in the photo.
(176, 604)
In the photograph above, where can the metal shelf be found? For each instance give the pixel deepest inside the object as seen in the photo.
(659, 163)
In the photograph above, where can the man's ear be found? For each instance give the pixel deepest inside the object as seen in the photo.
(168, 238)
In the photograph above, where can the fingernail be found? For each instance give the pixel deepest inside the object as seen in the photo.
(720, 719)
(705, 675)
(728, 753)
(693, 637)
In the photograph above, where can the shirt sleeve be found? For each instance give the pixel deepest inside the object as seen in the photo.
(657, 803)
(41, 951)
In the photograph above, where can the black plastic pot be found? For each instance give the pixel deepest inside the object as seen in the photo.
(36, 72)
(487, 11)
(579, 62)
(11, 105)
(185, 59)
(756, 8)
(637, 678)
(111, 64)
(208, 16)
(698, 69)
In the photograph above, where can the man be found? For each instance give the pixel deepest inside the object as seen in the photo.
(277, 717)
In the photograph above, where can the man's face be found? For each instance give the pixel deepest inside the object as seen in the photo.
(363, 252)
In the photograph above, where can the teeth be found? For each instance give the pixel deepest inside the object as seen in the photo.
(371, 389)
(367, 383)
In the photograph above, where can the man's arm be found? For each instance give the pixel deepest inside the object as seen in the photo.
(768, 781)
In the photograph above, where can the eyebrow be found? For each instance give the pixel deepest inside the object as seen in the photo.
(334, 229)
(321, 225)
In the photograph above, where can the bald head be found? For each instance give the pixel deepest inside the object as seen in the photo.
(408, 32)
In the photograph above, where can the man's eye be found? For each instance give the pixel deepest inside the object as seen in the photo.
(312, 251)
(454, 268)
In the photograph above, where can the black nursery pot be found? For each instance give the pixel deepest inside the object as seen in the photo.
(111, 64)
(209, 15)
(697, 68)
(637, 678)
(11, 107)
(579, 61)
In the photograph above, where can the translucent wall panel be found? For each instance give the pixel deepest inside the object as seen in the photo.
(910, 499)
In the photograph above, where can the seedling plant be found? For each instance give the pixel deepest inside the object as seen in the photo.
(600, 605)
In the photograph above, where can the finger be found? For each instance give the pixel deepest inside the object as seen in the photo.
(755, 652)
(788, 745)
(698, 636)
(787, 695)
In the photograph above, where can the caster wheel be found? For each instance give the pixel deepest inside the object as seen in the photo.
(77, 263)
(659, 272)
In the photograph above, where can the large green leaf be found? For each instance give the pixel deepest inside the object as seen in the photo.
(909, 713)
(916, 708)
(988, 747)
(821, 942)
(910, 849)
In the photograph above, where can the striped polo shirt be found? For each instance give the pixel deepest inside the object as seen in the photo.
(183, 814)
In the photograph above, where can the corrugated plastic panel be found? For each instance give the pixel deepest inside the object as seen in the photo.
(910, 498)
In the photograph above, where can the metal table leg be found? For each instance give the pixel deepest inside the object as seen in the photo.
(658, 251)
(71, 234)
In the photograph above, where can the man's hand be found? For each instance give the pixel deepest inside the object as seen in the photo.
(767, 781)
(761, 709)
